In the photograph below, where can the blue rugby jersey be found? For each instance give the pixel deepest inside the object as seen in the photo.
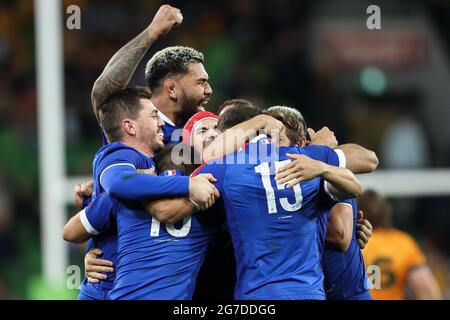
(114, 171)
(159, 261)
(274, 229)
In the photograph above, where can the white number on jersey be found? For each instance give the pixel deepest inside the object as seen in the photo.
(183, 232)
(264, 170)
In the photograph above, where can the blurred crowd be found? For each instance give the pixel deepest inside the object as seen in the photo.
(254, 49)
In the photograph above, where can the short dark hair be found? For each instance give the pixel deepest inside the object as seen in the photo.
(234, 116)
(236, 103)
(121, 105)
(168, 62)
(293, 122)
(164, 158)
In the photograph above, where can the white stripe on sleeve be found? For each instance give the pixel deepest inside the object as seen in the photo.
(342, 158)
(346, 204)
(86, 224)
(325, 187)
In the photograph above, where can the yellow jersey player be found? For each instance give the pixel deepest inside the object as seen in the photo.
(397, 255)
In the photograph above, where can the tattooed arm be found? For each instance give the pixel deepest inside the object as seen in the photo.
(124, 63)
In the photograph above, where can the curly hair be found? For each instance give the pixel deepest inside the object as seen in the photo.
(168, 62)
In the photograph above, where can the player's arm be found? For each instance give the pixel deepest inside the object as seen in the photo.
(74, 231)
(123, 182)
(170, 210)
(92, 220)
(336, 157)
(423, 284)
(173, 210)
(340, 183)
(340, 227)
(358, 158)
(232, 139)
(123, 64)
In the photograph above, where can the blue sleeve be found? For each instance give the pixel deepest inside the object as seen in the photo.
(353, 204)
(86, 202)
(99, 216)
(123, 182)
(334, 157)
(350, 202)
(328, 201)
(217, 169)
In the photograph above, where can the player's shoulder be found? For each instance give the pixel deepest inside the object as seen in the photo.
(118, 150)
(114, 147)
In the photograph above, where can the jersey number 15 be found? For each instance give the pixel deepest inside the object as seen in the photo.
(264, 170)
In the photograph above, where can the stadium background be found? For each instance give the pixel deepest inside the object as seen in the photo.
(385, 89)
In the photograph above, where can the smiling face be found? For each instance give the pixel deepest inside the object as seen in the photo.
(194, 90)
(203, 133)
(149, 126)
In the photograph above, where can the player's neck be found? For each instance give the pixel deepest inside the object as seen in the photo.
(166, 106)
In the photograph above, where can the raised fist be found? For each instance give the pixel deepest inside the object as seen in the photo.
(164, 20)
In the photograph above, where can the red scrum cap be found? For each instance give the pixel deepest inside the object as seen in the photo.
(189, 127)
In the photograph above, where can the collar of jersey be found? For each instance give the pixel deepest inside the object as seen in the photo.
(166, 119)
(254, 140)
(259, 138)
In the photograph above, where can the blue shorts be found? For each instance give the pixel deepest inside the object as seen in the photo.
(90, 291)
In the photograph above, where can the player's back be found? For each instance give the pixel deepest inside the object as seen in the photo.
(156, 260)
(396, 254)
(273, 229)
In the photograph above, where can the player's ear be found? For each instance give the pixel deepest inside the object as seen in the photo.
(302, 142)
(171, 88)
(129, 127)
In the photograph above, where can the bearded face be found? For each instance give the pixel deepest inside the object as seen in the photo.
(194, 92)
(190, 105)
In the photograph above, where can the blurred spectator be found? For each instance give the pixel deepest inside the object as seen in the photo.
(401, 263)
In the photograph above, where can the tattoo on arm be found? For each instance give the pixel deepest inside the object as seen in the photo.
(120, 69)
